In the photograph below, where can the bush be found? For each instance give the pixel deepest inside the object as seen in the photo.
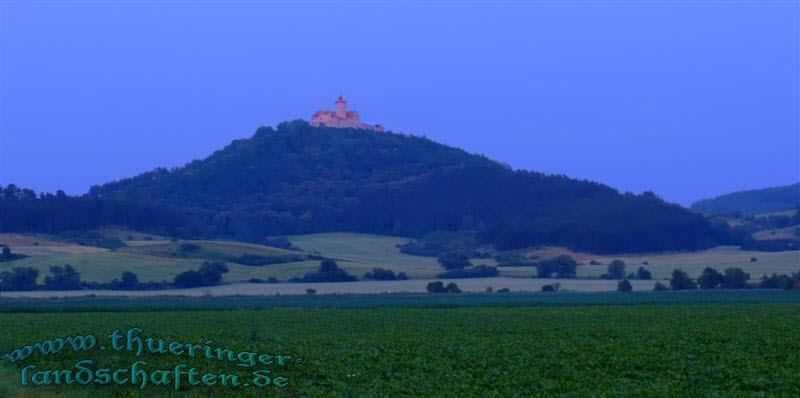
(453, 260)
(551, 288)
(272, 279)
(439, 287)
(7, 255)
(753, 259)
(402, 276)
(212, 272)
(381, 274)
(310, 291)
(659, 287)
(481, 271)
(563, 266)
(643, 273)
(257, 280)
(189, 247)
(189, 279)
(256, 260)
(281, 242)
(503, 290)
(328, 271)
(624, 286)
(595, 262)
(616, 270)
(129, 281)
(452, 288)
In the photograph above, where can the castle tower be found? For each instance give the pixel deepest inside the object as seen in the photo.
(341, 108)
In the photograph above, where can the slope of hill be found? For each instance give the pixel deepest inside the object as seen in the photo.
(302, 179)
(753, 201)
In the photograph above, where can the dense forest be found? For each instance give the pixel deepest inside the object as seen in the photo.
(302, 179)
(754, 201)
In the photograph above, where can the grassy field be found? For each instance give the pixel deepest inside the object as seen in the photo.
(157, 260)
(660, 350)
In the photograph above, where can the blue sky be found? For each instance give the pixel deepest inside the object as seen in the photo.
(687, 99)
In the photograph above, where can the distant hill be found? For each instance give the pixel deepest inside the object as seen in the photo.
(753, 201)
(299, 179)
(302, 179)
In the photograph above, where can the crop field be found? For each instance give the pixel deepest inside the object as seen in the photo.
(700, 349)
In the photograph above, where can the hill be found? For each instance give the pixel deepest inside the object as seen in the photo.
(753, 201)
(299, 179)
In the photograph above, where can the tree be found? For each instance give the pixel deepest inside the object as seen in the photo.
(616, 269)
(681, 281)
(735, 278)
(189, 279)
(436, 287)
(328, 265)
(643, 273)
(452, 288)
(212, 272)
(659, 287)
(65, 278)
(129, 281)
(7, 252)
(624, 286)
(710, 279)
(453, 260)
(563, 266)
(19, 279)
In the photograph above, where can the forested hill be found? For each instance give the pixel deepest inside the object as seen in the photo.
(754, 201)
(301, 179)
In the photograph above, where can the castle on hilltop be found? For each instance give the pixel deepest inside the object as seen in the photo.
(342, 118)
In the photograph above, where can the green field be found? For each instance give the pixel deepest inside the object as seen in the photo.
(664, 349)
(158, 260)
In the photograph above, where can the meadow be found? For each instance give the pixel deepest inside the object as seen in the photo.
(654, 344)
(153, 258)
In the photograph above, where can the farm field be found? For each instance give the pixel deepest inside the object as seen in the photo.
(575, 350)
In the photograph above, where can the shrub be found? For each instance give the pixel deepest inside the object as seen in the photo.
(503, 290)
(753, 259)
(402, 276)
(212, 272)
(272, 279)
(436, 287)
(453, 260)
(616, 269)
(129, 281)
(256, 260)
(189, 279)
(489, 289)
(563, 266)
(659, 287)
(281, 242)
(452, 288)
(624, 286)
(189, 247)
(643, 273)
(256, 280)
(328, 271)
(310, 291)
(481, 271)
(381, 274)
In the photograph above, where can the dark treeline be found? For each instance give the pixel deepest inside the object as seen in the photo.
(301, 179)
(22, 210)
